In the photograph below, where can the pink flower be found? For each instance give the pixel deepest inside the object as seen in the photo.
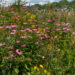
(30, 30)
(47, 29)
(23, 36)
(8, 27)
(65, 29)
(27, 28)
(13, 31)
(13, 56)
(18, 41)
(18, 51)
(7, 57)
(10, 47)
(23, 45)
(49, 20)
(13, 12)
(67, 24)
(10, 51)
(57, 29)
(1, 27)
(55, 18)
(2, 44)
(41, 37)
(47, 36)
(37, 25)
(36, 42)
(1, 16)
(22, 30)
(34, 29)
(25, 23)
(58, 24)
(18, 16)
(38, 32)
(54, 22)
(31, 23)
(13, 26)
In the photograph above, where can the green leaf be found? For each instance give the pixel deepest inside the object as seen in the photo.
(26, 67)
(8, 73)
(24, 74)
(16, 70)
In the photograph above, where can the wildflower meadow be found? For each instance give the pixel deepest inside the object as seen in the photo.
(37, 42)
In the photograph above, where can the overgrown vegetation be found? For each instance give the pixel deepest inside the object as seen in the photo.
(37, 42)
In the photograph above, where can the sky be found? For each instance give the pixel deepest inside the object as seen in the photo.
(31, 2)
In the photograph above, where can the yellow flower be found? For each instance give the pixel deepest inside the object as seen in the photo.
(45, 71)
(35, 67)
(41, 66)
(47, 63)
(39, 29)
(55, 37)
(33, 26)
(44, 30)
(49, 47)
(30, 20)
(32, 16)
(28, 14)
(73, 40)
(48, 73)
(74, 58)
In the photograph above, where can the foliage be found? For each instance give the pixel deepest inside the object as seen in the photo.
(37, 42)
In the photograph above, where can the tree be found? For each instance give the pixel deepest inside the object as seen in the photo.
(64, 3)
(19, 3)
(73, 3)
